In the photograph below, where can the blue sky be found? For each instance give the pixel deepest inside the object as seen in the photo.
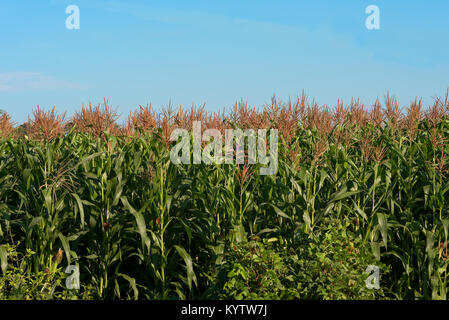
(217, 52)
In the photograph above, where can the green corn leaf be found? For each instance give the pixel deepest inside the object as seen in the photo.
(383, 227)
(446, 227)
(132, 283)
(3, 258)
(80, 208)
(430, 240)
(34, 222)
(65, 245)
(141, 225)
(342, 194)
(278, 211)
(191, 277)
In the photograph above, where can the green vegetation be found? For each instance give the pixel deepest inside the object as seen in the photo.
(354, 188)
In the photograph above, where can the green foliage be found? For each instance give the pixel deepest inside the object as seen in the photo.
(256, 271)
(333, 263)
(329, 264)
(17, 284)
(141, 227)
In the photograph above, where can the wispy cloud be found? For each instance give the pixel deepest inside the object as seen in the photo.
(20, 81)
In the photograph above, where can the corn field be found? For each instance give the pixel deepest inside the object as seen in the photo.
(355, 186)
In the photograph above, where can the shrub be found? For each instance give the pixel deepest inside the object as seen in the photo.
(256, 271)
(17, 284)
(332, 265)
